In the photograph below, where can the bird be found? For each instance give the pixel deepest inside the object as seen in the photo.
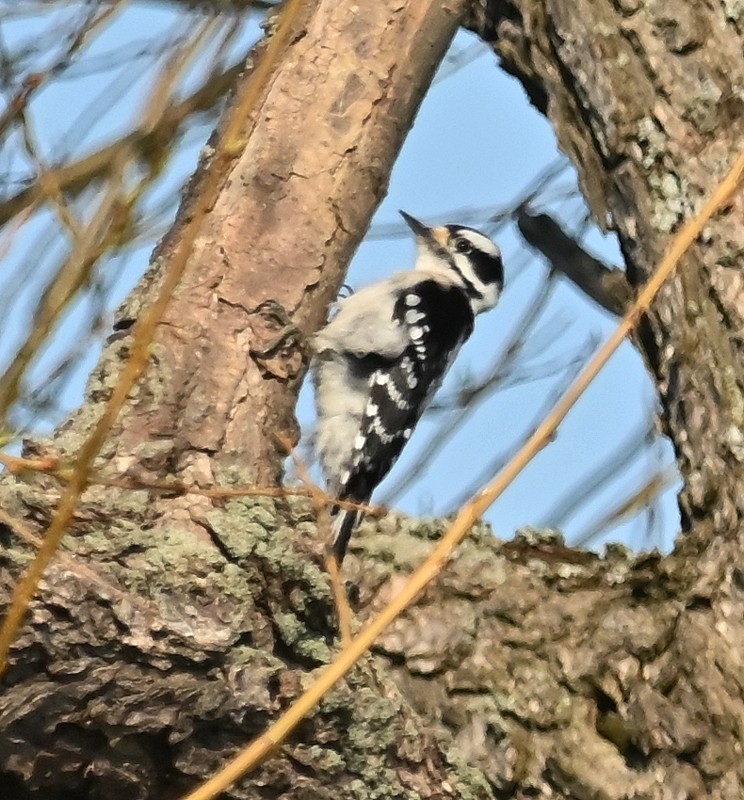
(384, 353)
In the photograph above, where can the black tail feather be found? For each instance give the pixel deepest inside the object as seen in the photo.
(344, 522)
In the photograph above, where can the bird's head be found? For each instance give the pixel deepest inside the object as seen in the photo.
(472, 259)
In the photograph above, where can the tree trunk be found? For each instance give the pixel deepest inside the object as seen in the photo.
(529, 669)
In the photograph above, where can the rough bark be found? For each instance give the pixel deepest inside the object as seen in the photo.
(528, 669)
(563, 675)
(141, 680)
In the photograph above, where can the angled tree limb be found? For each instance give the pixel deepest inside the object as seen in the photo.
(606, 286)
(648, 140)
(294, 208)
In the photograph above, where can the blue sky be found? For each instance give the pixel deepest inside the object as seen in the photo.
(476, 145)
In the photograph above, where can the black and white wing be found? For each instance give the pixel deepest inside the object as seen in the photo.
(436, 319)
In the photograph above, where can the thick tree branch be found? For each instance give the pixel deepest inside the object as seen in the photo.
(548, 671)
(294, 207)
(563, 675)
(178, 652)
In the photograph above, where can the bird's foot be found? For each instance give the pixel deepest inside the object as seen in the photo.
(284, 349)
(288, 334)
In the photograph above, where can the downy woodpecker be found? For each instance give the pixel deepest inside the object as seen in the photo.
(384, 354)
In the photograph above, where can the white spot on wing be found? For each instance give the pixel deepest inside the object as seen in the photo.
(412, 300)
(395, 395)
(382, 434)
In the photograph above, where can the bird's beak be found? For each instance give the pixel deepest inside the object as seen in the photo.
(433, 237)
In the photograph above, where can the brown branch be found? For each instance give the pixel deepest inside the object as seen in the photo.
(33, 81)
(17, 104)
(635, 502)
(50, 465)
(597, 477)
(88, 247)
(608, 287)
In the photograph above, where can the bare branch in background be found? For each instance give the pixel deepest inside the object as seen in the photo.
(163, 82)
(500, 460)
(204, 6)
(149, 145)
(536, 188)
(601, 475)
(634, 503)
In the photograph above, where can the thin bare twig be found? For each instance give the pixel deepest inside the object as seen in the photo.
(73, 178)
(471, 215)
(89, 244)
(35, 80)
(51, 465)
(499, 460)
(614, 461)
(103, 232)
(630, 505)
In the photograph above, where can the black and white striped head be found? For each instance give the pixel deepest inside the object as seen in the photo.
(470, 256)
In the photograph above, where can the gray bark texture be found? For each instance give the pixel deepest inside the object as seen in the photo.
(180, 626)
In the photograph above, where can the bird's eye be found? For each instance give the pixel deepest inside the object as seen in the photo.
(463, 246)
